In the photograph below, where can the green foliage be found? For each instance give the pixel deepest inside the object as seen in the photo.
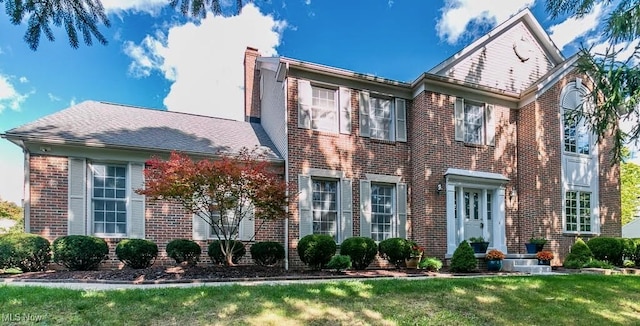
(431, 264)
(316, 250)
(615, 93)
(267, 253)
(199, 8)
(629, 190)
(476, 240)
(573, 263)
(579, 255)
(395, 250)
(628, 263)
(137, 253)
(218, 248)
(339, 262)
(362, 251)
(596, 263)
(80, 252)
(463, 259)
(636, 254)
(28, 252)
(183, 250)
(607, 248)
(11, 211)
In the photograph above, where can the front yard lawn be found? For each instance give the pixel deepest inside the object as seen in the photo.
(519, 300)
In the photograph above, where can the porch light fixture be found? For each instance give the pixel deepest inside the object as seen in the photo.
(439, 188)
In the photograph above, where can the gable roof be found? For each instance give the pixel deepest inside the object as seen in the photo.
(102, 124)
(525, 16)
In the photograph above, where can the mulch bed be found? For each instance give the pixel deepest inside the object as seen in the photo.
(159, 274)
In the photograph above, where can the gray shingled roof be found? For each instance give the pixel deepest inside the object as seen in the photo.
(99, 123)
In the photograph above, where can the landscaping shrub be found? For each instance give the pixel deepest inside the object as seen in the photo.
(217, 256)
(316, 250)
(28, 252)
(80, 252)
(463, 259)
(339, 262)
(267, 253)
(629, 248)
(395, 250)
(183, 250)
(431, 264)
(628, 263)
(607, 248)
(579, 255)
(137, 253)
(636, 255)
(597, 263)
(362, 251)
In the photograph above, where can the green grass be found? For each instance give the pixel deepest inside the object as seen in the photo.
(541, 300)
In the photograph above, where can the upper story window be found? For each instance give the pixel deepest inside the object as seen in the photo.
(109, 199)
(383, 118)
(324, 108)
(577, 137)
(324, 111)
(474, 122)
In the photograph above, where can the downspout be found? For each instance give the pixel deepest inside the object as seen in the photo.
(26, 195)
(517, 196)
(285, 87)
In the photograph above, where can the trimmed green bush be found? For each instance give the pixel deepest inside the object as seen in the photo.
(217, 256)
(26, 251)
(183, 250)
(628, 263)
(316, 250)
(362, 251)
(579, 255)
(636, 255)
(431, 264)
(395, 250)
(339, 262)
(463, 259)
(607, 248)
(629, 248)
(597, 263)
(80, 252)
(137, 253)
(267, 253)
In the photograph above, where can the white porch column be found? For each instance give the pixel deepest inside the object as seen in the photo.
(451, 219)
(499, 237)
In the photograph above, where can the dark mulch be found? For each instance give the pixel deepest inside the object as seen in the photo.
(207, 273)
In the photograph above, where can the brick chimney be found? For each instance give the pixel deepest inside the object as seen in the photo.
(251, 86)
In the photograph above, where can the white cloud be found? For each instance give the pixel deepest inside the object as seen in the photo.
(23, 80)
(458, 14)
(307, 2)
(573, 28)
(205, 62)
(148, 6)
(73, 101)
(53, 98)
(9, 97)
(11, 173)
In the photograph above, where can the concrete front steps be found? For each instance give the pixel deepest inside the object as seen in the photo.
(524, 263)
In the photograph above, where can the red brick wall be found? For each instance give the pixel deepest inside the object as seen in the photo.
(352, 154)
(49, 183)
(434, 150)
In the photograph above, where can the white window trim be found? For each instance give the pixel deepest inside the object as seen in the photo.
(395, 221)
(392, 116)
(336, 108)
(595, 216)
(339, 236)
(127, 200)
(576, 86)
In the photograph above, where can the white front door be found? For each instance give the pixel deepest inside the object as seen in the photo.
(472, 212)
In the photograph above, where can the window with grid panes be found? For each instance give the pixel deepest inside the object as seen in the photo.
(325, 207)
(382, 212)
(109, 199)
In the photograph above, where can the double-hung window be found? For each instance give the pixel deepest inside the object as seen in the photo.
(383, 220)
(381, 111)
(578, 211)
(474, 123)
(383, 117)
(324, 109)
(325, 207)
(225, 227)
(576, 133)
(109, 199)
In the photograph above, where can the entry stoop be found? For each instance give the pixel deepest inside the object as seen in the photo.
(524, 264)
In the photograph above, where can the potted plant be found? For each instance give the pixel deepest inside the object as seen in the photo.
(544, 257)
(414, 256)
(478, 244)
(494, 260)
(536, 244)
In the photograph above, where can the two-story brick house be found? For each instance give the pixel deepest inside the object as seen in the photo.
(480, 145)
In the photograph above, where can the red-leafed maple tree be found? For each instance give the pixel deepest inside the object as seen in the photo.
(223, 191)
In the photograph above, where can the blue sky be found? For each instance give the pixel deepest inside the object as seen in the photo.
(157, 58)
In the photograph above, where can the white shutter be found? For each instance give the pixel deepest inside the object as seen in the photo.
(247, 225)
(459, 119)
(137, 218)
(305, 98)
(347, 208)
(345, 110)
(76, 211)
(402, 210)
(364, 114)
(401, 120)
(200, 228)
(491, 124)
(365, 208)
(305, 192)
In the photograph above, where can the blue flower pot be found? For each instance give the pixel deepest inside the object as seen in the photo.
(494, 265)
